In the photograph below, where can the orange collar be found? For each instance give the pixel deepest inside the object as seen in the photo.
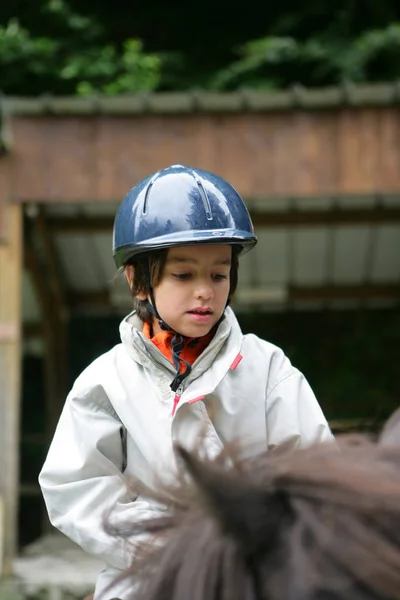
(189, 353)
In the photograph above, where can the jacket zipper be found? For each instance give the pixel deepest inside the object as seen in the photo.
(177, 397)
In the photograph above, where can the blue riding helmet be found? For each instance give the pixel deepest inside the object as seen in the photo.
(180, 206)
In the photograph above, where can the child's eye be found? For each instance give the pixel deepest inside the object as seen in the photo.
(181, 276)
(219, 276)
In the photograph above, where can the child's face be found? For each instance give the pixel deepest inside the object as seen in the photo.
(194, 288)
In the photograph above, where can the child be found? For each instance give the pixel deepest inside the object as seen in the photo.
(183, 370)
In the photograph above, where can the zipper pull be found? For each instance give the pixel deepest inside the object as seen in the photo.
(177, 397)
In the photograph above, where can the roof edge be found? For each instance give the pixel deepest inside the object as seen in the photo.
(201, 101)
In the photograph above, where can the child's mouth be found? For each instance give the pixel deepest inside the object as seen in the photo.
(200, 315)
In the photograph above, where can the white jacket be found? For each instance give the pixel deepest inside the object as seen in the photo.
(119, 418)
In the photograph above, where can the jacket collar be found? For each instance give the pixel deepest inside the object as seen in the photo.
(142, 350)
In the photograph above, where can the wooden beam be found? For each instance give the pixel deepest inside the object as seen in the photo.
(369, 291)
(35, 439)
(49, 324)
(10, 384)
(327, 218)
(277, 154)
(2, 535)
(32, 330)
(354, 425)
(102, 299)
(4, 196)
(30, 489)
(44, 232)
(90, 300)
(267, 218)
(80, 224)
(197, 101)
(58, 301)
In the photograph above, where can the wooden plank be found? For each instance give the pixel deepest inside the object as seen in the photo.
(58, 301)
(284, 156)
(368, 291)
(32, 330)
(347, 152)
(102, 300)
(327, 218)
(387, 147)
(355, 425)
(2, 540)
(289, 153)
(262, 136)
(369, 166)
(52, 259)
(313, 159)
(50, 326)
(300, 218)
(8, 331)
(94, 300)
(4, 195)
(10, 369)
(30, 489)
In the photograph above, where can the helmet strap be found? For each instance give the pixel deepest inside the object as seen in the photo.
(177, 345)
(178, 340)
(151, 304)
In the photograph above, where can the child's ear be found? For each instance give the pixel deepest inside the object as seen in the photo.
(129, 274)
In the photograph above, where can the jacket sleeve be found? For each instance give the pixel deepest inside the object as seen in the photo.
(293, 415)
(82, 480)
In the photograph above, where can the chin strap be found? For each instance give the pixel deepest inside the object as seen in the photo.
(177, 345)
(178, 341)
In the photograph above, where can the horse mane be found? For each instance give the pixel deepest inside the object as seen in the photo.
(311, 524)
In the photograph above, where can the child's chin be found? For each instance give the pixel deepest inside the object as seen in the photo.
(196, 331)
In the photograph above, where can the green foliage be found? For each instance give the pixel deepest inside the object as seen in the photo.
(76, 47)
(76, 60)
(16, 45)
(109, 72)
(271, 61)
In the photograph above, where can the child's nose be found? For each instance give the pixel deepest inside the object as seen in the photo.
(204, 291)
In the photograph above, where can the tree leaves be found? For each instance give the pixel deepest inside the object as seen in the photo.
(75, 60)
(55, 47)
(275, 61)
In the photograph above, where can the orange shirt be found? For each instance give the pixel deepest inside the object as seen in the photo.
(189, 353)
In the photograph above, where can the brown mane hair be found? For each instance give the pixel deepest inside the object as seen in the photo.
(321, 523)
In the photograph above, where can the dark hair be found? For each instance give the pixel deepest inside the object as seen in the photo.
(155, 262)
(321, 523)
